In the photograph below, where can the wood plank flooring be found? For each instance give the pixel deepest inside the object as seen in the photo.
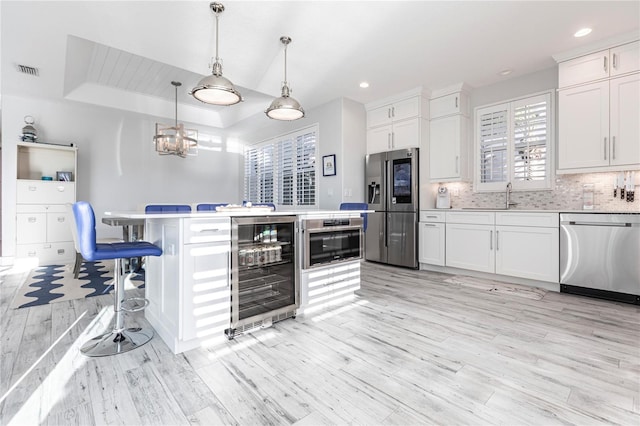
(413, 347)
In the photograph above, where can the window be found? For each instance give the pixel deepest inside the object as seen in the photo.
(282, 170)
(513, 143)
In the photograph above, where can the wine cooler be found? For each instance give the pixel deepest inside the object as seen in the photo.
(264, 282)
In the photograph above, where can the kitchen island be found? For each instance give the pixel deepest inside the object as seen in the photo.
(189, 287)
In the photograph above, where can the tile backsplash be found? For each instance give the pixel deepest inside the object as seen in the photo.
(566, 194)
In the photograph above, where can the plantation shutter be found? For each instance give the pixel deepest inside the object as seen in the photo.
(283, 170)
(494, 133)
(513, 143)
(530, 137)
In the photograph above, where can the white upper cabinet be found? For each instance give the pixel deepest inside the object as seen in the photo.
(397, 122)
(583, 115)
(624, 126)
(607, 63)
(453, 103)
(387, 114)
(625, 59)
(598, 126)
(449, 150)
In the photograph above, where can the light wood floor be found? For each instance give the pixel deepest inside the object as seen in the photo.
(414, 347)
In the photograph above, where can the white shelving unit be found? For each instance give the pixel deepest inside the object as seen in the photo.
(43, 227)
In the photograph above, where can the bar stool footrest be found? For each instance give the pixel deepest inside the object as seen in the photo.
(132, 304)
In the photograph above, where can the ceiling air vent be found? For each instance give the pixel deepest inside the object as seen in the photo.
(25, 69)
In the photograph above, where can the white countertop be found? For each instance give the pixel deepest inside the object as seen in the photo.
(489, 209)
(233, 213)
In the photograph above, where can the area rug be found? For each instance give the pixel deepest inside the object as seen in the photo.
(51, 284)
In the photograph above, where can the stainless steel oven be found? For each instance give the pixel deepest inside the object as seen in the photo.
(328, 241)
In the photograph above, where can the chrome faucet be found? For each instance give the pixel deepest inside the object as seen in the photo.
(507, 197)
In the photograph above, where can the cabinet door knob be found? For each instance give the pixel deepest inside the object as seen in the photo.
(605, 148)
(33, 188)
(60, 219)
(497, 240)
(490, 240)
(614, 61)
(456, 102)
(613, 148)
(61, 188)
(605, 64)
(32, 219)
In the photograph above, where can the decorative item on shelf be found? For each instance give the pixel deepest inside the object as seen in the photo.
(285, 107)
(216, 89)
(329, 165)
(29, 133)
(64, 176)
(176, 140)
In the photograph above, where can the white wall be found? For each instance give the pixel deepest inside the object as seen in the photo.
(341, 124)
(515, 87)
(118, 168)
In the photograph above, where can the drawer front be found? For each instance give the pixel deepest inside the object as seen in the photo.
(58, 227)
(545, 220)
(31, 228)
(207, 230)
(431, 216)
(43, 192)
(477, 218)
(47, 254)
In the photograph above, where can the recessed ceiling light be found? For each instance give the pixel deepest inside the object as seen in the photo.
(583, 32)
(506, 72)
(364, 84)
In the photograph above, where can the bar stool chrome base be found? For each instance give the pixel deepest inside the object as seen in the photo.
(117, 342)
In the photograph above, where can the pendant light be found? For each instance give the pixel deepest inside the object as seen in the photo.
(216, 89)
(176, 140)
(285, 107)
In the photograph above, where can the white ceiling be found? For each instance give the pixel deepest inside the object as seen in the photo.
(124, 54)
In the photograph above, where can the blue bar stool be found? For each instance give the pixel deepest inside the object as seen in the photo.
(204, 207)
(120, 339)
(167, 208)
(357, 206)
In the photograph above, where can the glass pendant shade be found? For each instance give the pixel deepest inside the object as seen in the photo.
(216, 89)
(285, 107)
(175, 140)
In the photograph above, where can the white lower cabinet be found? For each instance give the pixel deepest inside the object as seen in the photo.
(470, 246)
(44, 232)
(327, 286)
(431, 234)
(518, 244)
(432, 243)
(528, 252)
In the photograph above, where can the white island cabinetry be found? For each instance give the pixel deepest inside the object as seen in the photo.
(188, 286)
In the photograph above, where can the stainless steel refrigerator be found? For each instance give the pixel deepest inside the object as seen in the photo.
(391, 180)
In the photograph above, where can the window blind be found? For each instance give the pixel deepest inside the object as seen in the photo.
(513, 144)
(493, 146)
(530, 129)
(283, 170)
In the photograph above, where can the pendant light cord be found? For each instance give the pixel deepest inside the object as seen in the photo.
(176, 87)
(217, 58)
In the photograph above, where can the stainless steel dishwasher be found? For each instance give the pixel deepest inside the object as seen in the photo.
(600, 255)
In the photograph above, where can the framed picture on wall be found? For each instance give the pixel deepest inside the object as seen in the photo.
(329, 165)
